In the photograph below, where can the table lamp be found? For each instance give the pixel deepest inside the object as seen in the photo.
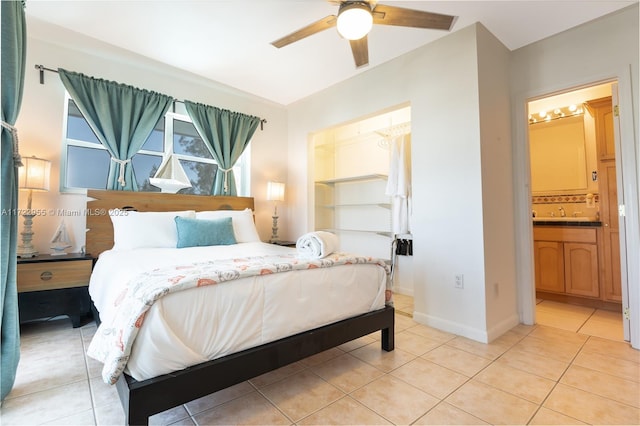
(32, 176)
(275, 193)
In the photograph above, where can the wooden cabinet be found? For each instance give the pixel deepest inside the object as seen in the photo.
(54, 285)
(612, 280)
(602, 111)
(549, 266)
(581, 269)
(566, 260)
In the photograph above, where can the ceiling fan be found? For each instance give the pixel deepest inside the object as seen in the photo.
(355, 19)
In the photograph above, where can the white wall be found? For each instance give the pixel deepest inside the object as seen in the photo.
(440, 81)
(448, 229)
(460, 199)
(604, 49)
(41, 117)
(497, 185)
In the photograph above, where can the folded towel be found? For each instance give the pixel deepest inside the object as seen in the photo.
(316, 245)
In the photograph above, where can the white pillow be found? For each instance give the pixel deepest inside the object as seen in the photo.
(244, 227)
(133, 229)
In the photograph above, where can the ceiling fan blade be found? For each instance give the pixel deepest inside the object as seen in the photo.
(360, 49)
(392, 15)
(316, 27)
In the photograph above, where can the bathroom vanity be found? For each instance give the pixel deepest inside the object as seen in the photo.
(570, 264)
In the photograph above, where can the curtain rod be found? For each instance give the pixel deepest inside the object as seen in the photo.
(42, 69)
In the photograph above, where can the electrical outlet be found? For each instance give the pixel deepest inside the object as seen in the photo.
(459, 281)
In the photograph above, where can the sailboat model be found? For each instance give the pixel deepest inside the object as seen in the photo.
(170, 177)
(60, 240)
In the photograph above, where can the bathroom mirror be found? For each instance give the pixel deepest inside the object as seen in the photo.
(559, 156)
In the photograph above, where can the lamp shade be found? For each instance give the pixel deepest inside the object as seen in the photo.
(34, 174)
(275, 191)
(170, 176)
(354, 20)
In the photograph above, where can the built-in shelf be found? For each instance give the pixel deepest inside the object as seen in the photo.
(359, 231)
(374, 176)
(349, 195)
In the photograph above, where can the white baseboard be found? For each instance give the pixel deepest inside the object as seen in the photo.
(403, 290)
(503, 326)
(477, 334)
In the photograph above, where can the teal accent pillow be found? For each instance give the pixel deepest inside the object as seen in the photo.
(199, 232)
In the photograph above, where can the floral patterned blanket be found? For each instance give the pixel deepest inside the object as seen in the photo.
(113, 341)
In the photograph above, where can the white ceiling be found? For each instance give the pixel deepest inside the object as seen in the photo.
(228, 41)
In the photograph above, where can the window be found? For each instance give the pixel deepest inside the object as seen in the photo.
(86, 162)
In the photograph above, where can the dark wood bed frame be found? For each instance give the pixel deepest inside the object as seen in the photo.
(142, 399)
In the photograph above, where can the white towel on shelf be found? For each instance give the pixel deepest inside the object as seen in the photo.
(316, 245)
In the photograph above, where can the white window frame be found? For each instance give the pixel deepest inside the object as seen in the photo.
(241, 169)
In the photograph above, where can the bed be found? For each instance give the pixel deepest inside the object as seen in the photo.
(258, 324)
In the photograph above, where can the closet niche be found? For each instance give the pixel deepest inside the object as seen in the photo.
(351, 165)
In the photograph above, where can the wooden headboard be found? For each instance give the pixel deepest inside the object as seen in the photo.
(100, 229)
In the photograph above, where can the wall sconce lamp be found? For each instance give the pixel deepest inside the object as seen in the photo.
(275, 193)
(33, 176)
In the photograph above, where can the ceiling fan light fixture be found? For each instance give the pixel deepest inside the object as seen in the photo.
(354, 20)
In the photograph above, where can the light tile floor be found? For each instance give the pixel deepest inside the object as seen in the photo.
(580, 319)
(530, 375)
(403, 304)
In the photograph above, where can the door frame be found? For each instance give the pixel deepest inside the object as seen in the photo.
(627, 163)
(622, 220)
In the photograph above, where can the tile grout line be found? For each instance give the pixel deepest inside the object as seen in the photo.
(79, 333)
(273, 402)
(86, 369)
(582, 348)
(585, 322)
(487, 384)
(598, 371)
(557, 382)
(443, 400)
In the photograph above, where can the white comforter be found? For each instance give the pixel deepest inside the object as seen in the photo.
(196, 325)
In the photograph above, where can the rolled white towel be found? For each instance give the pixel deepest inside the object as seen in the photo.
(316, 245)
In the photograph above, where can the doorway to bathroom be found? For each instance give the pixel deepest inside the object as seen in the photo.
(578, 255)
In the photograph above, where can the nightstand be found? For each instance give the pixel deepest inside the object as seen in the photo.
(54, 285)
(283, 243)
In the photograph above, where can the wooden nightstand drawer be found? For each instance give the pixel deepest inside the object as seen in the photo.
(53, 275)
(49, 286)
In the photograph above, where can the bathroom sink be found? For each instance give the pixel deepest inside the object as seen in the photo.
(564, 219)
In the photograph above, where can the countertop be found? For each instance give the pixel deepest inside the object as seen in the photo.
(543, 221)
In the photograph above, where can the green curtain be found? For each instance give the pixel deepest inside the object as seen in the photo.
(14, 39)
(121, 116)
(227, 134)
